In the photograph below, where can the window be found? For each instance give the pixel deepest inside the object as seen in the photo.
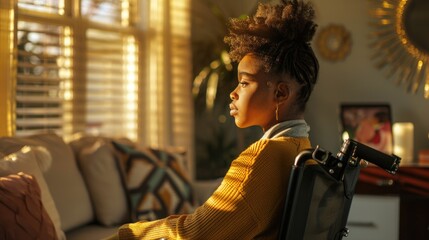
(77, 71)
(111, 67)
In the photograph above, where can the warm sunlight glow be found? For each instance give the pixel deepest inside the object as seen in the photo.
(211, 90)
(45, 6)
(125, 10)
(11, 28)
(7, 39)
(179, 16)
(131, 88)
(64, 63)
(61, 6)
(199, 79)
(66, 73)
(156, 70)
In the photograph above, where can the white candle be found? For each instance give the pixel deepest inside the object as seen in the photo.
(403, 141)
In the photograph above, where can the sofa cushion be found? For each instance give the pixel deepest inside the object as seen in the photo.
(81, 141)
(63, 178)
(34, 160)
(104, 182)
(23, 215)
(157, 184)
(92, 231)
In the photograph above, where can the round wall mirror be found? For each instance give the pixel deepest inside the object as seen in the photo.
(416, 21)
(400, 38)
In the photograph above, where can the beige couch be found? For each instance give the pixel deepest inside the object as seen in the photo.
(81, 188)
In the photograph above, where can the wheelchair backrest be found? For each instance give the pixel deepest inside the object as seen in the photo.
(321, 189)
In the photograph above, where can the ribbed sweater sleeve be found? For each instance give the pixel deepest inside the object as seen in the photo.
(247, 204)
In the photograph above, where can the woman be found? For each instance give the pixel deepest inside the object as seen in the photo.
(276, 74)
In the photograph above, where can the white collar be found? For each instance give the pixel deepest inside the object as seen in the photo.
(292, 128)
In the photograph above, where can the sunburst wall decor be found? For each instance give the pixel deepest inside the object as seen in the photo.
(394, 49)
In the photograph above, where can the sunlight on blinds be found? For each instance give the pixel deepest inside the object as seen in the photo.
(47, 6)
(131, 90)
(181, 72)
(65, 72)
(112, 83)
(79, 69)
(108, 11)
(43, 76)
(170, 119)
(156, 71)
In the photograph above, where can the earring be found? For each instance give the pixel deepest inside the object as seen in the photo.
(277, 112)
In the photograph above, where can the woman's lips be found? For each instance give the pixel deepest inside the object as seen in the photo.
(233, 110)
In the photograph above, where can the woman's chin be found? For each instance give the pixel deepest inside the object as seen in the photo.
(238, 123)
(241, 124)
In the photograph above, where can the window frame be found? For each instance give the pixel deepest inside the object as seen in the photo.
(165, 110)
(79, 25)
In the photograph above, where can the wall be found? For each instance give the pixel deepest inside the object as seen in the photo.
(357, 80)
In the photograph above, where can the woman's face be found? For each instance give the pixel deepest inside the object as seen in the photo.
(253, 101)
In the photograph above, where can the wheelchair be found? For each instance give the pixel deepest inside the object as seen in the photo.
(321, 189)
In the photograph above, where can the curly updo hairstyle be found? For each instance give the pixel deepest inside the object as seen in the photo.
(280, 34)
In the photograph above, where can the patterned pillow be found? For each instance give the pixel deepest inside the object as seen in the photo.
(34, 161)
(23, 215)
(156, 182)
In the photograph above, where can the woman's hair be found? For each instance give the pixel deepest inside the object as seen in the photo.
(280, 34)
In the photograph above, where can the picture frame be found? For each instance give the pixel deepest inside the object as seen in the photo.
(369, 124)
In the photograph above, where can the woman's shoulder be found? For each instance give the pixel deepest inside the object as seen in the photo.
(280, 144)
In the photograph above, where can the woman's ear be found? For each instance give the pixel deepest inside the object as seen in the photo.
(282, 92)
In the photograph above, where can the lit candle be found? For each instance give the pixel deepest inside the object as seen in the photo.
(403, 141)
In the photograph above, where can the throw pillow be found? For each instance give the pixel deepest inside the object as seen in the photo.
(104, 182)
(29, 160)
(22, 213)
(64, 178)
(157, 184)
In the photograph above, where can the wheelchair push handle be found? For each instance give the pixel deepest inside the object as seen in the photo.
(362, 151)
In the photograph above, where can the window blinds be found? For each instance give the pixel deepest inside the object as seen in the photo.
(46, 6)
(169, 119)
(112, 67)
(77, 74)
(43, 76)
(181, 73)
(112, 83)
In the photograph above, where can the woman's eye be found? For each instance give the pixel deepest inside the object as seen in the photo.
(243, 84)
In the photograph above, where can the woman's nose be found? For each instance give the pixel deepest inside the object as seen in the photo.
(233, 95)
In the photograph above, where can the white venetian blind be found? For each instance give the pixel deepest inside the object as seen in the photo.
(43, 78)
(112, 83)
(77, 68)
(44, 6)
(112, 67)
(112, 64)
(181, 77)
(170, 107)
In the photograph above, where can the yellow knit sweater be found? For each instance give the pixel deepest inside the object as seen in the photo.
(247, 204)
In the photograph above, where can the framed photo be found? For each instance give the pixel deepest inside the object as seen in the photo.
(370, 124)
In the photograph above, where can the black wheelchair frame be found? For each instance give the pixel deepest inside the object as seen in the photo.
(320, 191)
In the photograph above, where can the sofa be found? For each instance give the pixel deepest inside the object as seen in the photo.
(91, 185)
